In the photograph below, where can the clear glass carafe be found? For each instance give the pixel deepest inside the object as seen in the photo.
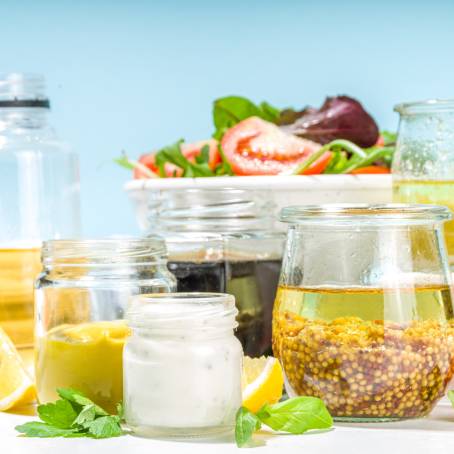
(39, 197)
(224, 240)
(362, 313)
(81, 298)
(423, 166)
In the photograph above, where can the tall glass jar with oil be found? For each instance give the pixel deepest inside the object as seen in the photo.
(423, 166)
(224, 240)
(362, 313)
(39, 197)
(81, 298)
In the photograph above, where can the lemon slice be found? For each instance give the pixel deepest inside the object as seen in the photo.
(263, 381)
(16, 386)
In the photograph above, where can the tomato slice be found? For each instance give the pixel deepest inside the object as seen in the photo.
(370, 169)
(257, 147)
(189, 150)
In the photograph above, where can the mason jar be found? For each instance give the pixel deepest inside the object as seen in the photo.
(423, 165)
(39, 197)
(224, 240)
(362, 313)
(81, 297)
(182, 365)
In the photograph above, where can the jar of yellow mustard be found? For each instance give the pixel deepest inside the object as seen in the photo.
(81, 297)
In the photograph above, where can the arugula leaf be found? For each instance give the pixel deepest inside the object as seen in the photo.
(172, 153)
(60, 414)
(224, 168)
(43, 430)
(77, 397)
(296, 415)
(230, 110)
(125, 162)
(105, 427)
(246, 424)
(389, 138)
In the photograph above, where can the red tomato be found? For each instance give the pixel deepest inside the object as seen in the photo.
(189, 150)
(370, 169)
(257, 147)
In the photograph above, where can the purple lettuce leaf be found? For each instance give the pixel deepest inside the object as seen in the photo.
(340, 117)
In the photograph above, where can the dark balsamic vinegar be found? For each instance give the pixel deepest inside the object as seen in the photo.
(252, 282)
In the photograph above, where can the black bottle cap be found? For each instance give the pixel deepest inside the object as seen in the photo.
(44, 103)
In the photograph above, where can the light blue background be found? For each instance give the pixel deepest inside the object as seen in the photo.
(135, 75)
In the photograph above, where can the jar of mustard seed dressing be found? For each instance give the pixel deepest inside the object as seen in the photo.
(362, 313)
(81, 298)
(182, 365)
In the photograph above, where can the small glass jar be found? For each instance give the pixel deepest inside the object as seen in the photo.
(362, 310)
(224, 240)
(81, 297)
(423, 164)
(182, 365)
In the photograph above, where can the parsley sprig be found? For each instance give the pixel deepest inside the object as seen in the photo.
(73, 415)
(296, 416)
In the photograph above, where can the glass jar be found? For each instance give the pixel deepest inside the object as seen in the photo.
(81, 297)
(361, 315)
(224, 240)
(423, 166)
(182, 365)
(39, 197)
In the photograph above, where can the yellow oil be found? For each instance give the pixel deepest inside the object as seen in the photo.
(397, 305)
(86, 357)
(18, 270)
(429, 192)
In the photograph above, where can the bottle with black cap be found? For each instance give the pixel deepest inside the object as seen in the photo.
(39, 197)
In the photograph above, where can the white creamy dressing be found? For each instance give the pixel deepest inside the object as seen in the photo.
(184, 374)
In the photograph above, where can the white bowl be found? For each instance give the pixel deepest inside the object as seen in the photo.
(286, 190)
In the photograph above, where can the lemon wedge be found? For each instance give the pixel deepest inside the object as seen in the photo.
(263, 381)
(16, 386)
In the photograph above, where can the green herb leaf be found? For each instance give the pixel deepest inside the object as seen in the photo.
(43, 430)
(120, 411)
(230, 110)
(246, 424)
(296, 415)
(77, 397)
(86, 416)
(105, 427)
(60, 414)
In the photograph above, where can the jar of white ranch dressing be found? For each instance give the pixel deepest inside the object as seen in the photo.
(182, 365)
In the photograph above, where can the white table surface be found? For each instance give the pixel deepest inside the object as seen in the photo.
(434, 434)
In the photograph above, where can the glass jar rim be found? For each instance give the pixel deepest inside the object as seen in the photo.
(425, 107)
(365, 212)
(104, 251)
(174, 311)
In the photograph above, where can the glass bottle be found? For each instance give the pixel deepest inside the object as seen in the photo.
(363, 311)
(180, 335)
(39, 197)
(224, 240)
(423, 166)
(81, 297)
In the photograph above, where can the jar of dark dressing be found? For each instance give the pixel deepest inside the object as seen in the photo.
(224, 240)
